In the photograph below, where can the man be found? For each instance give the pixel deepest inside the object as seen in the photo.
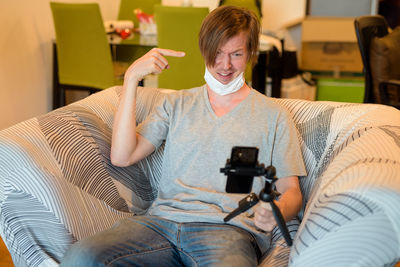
(184, 225)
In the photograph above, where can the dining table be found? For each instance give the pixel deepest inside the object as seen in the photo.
(135, 39)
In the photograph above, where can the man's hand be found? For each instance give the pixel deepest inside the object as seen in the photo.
(153, 62)
(263, 217)
(289, 204)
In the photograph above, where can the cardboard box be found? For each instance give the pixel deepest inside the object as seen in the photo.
(330, 44)
(341, 90)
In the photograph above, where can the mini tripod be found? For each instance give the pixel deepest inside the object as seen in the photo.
(267, 194)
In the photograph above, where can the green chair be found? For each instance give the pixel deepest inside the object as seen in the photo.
(126, 8)
(82, 55)
(256, 7)
(130, 53)
(178, 29)
(253, 5)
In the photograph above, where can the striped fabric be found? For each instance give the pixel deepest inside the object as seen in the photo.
(57, 184)
(350, 215)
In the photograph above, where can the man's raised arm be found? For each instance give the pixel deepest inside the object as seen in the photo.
(128, 147)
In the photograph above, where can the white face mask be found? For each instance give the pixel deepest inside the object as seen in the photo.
(223, 89)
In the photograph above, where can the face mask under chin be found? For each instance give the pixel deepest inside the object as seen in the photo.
(223, 89)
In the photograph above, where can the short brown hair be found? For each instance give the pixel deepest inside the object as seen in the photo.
(224, 23)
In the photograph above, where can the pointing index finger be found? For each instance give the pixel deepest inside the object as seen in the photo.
(171, 53)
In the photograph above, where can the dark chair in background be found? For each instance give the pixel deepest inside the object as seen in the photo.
(380, 53)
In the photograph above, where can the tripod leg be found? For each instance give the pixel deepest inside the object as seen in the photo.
(244, 204)
(281, 223)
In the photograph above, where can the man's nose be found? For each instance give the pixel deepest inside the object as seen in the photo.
(226, 62)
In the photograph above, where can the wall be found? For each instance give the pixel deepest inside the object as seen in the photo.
(26, 54)
(26, 57)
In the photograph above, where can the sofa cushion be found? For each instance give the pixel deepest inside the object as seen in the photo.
(80, 140)
(149, 167)
(352, 190)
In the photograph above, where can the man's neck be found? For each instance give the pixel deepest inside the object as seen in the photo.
(224, 104)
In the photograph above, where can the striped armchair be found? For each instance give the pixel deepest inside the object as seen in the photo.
(57, 184)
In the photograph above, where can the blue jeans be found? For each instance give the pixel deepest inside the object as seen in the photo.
(153, 241)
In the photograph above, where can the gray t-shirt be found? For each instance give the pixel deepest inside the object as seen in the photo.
(197, 145)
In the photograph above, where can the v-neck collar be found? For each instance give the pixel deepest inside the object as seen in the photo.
(228, 114)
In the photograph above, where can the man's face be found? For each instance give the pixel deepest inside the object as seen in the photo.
(231, 59)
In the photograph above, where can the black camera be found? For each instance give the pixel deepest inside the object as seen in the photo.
(240, 169)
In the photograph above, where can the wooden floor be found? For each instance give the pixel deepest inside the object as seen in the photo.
(5, 258)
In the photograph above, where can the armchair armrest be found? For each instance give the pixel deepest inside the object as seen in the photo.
(350, 214)
(390, 93)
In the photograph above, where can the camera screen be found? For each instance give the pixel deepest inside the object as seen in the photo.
(244, 156)
(241, 157)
